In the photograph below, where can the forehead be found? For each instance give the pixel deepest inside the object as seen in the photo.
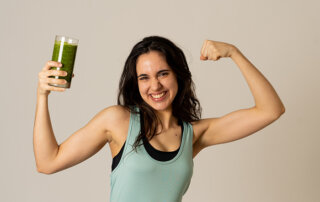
(151, 62)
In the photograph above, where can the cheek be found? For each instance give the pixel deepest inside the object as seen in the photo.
(142, 88)
(173, 84)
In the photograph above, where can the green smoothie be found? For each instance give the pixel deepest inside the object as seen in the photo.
(67, 57)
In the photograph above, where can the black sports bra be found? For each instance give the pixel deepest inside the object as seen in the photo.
(154, 153)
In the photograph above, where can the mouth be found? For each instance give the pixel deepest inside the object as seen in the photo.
(159, 96)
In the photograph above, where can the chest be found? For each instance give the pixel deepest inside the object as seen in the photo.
(167, 141)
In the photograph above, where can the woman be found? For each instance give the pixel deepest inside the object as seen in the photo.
(155, 131)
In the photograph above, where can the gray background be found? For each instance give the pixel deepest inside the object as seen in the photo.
(281, 38)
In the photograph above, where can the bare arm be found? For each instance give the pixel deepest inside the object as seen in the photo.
(240, 123)
(44, 142)
(88, 140)
(45, 145)
(81, 145)
(266, 98)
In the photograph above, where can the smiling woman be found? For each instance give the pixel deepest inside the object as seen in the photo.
(155, 131)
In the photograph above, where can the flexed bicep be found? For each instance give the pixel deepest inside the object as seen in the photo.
(88, 140)
(81, 145)
(232, 126)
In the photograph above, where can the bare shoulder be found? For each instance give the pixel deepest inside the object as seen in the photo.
(115, 113)
(116, 118)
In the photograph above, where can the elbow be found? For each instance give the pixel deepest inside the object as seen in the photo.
(44, 171)
(273, 114)
(283, 109)
(277, 115)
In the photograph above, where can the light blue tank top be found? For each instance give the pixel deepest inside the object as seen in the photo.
(141, 178)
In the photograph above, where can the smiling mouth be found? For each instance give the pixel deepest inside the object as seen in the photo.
(158, 96)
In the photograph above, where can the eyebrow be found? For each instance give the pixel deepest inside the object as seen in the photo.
(164, 70)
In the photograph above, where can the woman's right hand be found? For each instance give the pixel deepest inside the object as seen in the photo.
(43, 85)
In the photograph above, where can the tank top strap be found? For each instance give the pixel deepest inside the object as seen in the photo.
(133, 131)
(134, 127)
(188, 139)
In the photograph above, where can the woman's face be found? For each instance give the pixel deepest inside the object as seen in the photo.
(156, 81)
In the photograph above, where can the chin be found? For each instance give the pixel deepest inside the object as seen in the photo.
(159, 107)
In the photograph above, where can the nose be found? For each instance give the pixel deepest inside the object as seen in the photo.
(155, 85)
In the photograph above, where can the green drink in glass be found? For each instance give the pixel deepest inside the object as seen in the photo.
(64, 51)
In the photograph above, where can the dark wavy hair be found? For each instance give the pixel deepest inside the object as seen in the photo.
(185, 105)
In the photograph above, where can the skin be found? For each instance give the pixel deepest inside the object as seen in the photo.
(110, 125)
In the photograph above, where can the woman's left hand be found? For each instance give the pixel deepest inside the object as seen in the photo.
(214, 50)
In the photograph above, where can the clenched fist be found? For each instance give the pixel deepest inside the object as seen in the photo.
(214, 50)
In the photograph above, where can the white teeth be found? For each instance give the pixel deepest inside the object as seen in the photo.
(158, 96)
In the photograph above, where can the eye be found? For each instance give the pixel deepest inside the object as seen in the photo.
(163, 73)
(143, 78)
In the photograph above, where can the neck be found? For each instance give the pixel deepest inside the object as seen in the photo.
(167, 119)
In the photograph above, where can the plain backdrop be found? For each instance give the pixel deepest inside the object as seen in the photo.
(279, 163)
